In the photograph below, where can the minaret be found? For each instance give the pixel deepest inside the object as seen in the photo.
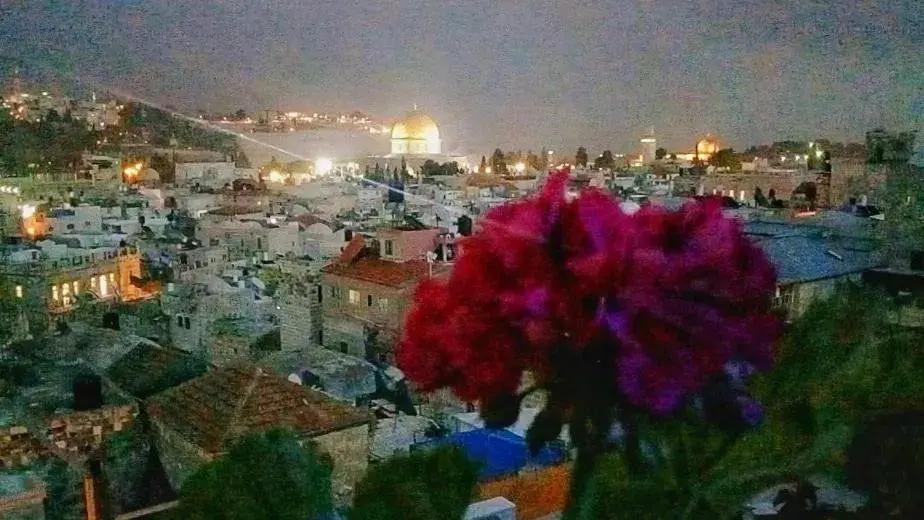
(649, 146)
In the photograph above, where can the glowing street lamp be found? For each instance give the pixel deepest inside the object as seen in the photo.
(819, 154)
(323, 166)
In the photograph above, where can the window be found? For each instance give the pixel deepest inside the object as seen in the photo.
(369, 300)
(259, 244)
(320, 294)
(179, 320)
(76, 286)
(354, 297)
(93, 282)
(186, 322)
(54, 293)
(66, 289)
(383, 304)
(389, 247)
(343, 347)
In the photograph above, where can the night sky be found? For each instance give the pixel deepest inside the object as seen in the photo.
(502, 72)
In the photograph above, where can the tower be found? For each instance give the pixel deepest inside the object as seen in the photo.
(15, 86)
(649, 146)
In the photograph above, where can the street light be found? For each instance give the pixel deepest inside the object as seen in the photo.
(323, 166)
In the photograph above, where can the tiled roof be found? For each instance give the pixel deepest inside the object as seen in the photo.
(381, 272)
(148, 369)
(218, 408)
(352, 250)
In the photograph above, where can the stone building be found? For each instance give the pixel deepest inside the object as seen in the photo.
(201, 419)
(48, 279)
(232, 339)
(252, 238)
(362, 292)
(193, 307)
(810, 261)
(298, 303)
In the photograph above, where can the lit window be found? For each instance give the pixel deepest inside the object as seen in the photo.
(111, 279)
(103, 286)
(354, 297)
(76, 285)
(19, 291)
(93, 282)
(66, 289)
(383, 304)
(54, 293)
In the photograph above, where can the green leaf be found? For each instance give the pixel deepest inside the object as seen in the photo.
(613, 494)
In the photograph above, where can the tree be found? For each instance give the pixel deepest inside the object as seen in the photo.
(580, 158)
(240, 115)
(726, 158)
(438, 484)
(605, 161)
(63, 484)
(269, 475)
(498, 162)
(660, 153)
(886, 462)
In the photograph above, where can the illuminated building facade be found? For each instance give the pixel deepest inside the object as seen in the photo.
(50, 280)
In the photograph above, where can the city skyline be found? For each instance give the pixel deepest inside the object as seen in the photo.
(597, 74)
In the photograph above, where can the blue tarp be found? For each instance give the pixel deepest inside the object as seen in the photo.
(499, 452)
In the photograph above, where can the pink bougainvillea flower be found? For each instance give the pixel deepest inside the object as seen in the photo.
(673, 297)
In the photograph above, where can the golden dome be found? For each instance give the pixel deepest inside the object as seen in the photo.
(416, 126)
(709, 146)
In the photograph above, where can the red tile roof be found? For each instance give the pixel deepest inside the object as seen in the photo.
(226, 404)
(352, 250)
(382, 272)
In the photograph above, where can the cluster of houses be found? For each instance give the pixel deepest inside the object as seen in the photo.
(198, 316)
